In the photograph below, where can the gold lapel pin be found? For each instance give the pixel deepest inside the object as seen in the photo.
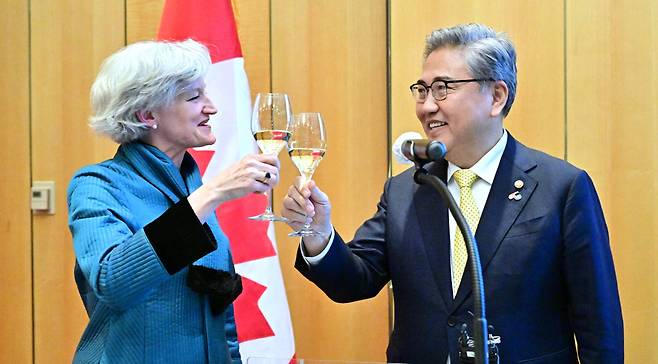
(518, 184)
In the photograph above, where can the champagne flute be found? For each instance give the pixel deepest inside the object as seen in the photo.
(306, 147)
(270, 121)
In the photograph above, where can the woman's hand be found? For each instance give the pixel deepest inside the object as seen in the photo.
(256, 173)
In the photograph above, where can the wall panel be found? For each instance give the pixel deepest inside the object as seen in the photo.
(253, 19)
(612, 124)
(143, 19)
(536, 29)
(69, 40)
(15, 228)
(330, 56)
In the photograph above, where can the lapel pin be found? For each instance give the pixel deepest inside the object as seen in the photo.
(518, 184)
(515, 196)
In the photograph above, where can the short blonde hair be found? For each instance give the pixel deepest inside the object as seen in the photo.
(142, 77)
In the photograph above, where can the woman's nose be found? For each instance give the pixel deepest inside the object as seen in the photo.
(210, 108)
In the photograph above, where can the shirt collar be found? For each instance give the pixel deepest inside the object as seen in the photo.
(487, 166)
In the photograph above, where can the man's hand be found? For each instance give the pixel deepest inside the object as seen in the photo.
(307, 203)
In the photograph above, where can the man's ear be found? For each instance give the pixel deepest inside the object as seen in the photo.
(500, 93)
(146, 117)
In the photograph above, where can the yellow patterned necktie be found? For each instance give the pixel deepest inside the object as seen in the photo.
(464, 179)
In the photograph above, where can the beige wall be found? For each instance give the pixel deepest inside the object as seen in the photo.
(587, 92)
(15, 238)
(612, 130)
(69, 39)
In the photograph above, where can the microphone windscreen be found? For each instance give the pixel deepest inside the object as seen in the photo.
(397, 146)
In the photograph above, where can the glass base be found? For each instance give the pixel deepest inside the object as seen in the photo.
(267, 216)
(304, 232)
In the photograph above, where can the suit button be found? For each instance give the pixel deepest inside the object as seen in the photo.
(452, 321)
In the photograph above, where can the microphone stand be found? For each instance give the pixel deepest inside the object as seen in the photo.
(479, 319)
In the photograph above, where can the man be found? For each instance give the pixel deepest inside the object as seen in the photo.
(542, 238)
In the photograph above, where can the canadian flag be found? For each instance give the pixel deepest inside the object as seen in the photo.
(261, 311)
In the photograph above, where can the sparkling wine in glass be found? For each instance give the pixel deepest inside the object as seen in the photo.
(270, 121)
(306, 147)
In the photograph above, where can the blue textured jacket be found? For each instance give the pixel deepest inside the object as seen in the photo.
(140, 310)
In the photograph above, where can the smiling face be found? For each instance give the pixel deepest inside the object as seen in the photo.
(469, 120)
(183, 124)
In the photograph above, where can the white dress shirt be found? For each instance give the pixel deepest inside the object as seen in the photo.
(485, 169)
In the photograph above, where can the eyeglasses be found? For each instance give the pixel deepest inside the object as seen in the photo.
(439, 88)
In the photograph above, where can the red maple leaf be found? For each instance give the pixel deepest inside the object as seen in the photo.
(202, 158)
(248, 238)
(247, 314)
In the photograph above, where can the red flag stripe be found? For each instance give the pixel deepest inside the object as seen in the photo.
(211, 23)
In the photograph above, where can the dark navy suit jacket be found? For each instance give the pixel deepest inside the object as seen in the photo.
(548, 269)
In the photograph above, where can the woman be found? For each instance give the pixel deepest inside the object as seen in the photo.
(155, 270)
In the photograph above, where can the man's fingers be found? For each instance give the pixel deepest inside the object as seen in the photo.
(296, 205)
(297, 196)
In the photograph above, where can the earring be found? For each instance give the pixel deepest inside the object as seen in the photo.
(155, 126)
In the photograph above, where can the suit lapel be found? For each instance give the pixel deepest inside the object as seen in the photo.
(500, 212)
(433, 220)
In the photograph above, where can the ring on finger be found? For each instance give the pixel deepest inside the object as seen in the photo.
(265, 178)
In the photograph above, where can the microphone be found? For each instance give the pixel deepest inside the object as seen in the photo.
(397, 146)
(409, 147)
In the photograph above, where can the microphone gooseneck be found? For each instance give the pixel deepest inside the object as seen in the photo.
(410, 147)
(480, 328)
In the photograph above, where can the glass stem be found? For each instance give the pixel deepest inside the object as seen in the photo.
(268, 209)
(307, 225)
